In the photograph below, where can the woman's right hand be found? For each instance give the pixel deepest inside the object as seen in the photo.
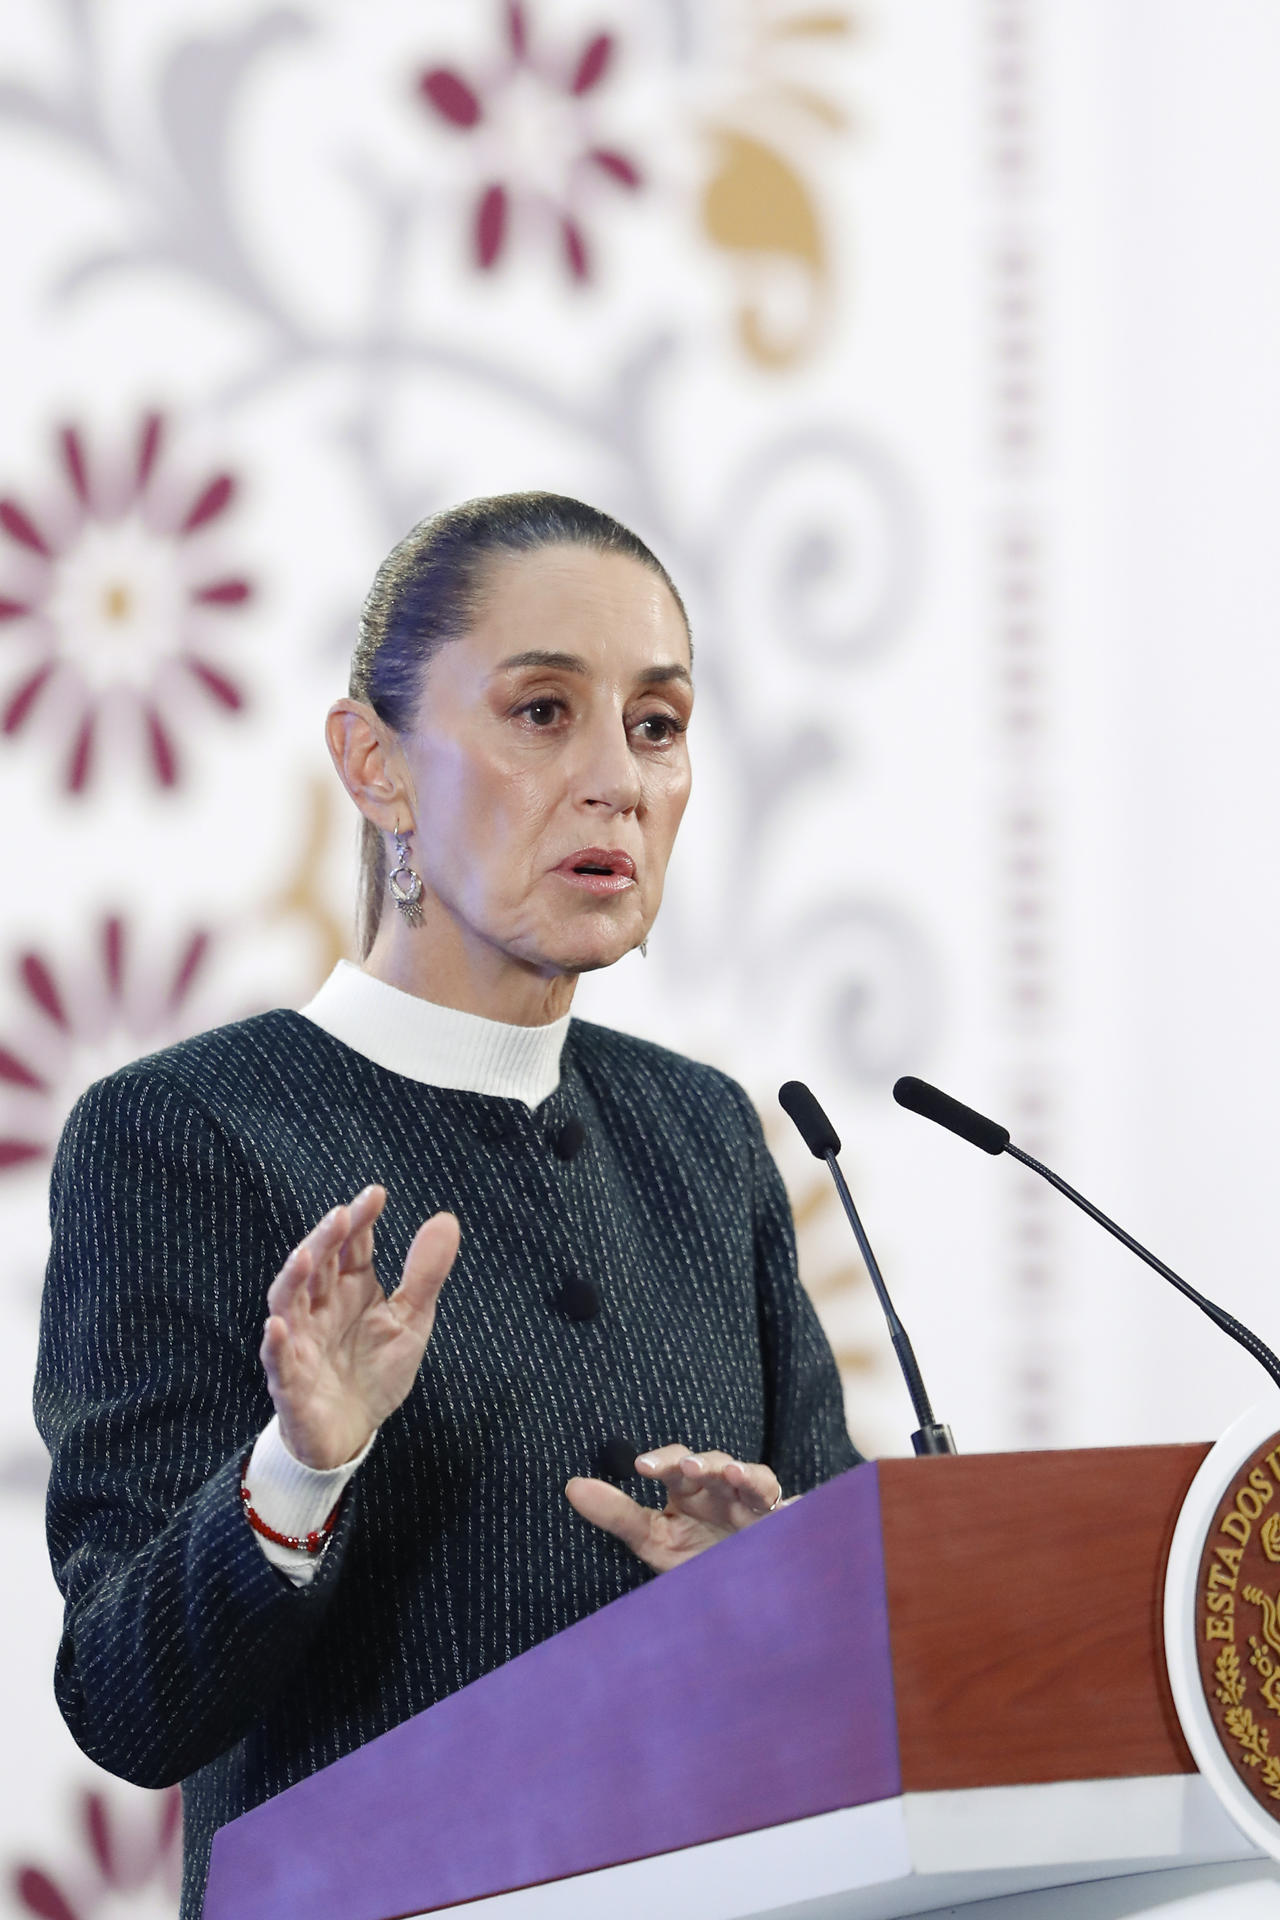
(339, 1354)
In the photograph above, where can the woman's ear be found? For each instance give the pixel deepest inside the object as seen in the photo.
(369, 764)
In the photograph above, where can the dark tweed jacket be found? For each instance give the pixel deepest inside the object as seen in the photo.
(180, 1185)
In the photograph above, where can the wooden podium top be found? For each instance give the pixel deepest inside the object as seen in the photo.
(1025, 1595)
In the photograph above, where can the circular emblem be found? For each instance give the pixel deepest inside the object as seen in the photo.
(1222, 1622)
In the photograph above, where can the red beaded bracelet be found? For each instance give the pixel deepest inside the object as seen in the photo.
(308, 1543)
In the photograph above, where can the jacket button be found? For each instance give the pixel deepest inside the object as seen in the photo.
(570, 1139)
(616, 1459)
(579, 1298)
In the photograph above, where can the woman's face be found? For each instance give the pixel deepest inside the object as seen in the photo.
(548, 764)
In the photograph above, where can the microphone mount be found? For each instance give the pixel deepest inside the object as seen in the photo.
(823, 1142)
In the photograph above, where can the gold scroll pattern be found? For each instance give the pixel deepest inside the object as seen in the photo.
(759, 206)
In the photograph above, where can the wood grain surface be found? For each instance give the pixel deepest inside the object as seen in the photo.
(1025, 1602)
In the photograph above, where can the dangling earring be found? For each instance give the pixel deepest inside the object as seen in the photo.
(405, 884)
(644, 948)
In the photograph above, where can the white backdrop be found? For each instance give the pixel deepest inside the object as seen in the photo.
(930, 342)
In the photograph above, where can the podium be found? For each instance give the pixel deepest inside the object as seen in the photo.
(927, 1683)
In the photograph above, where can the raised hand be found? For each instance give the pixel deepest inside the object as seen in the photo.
(339, 1354)
(709, 1497)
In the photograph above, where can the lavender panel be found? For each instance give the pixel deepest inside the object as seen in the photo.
(752, 1687)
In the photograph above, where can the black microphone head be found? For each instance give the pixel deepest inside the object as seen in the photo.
(816, 1130)
(932, 1104)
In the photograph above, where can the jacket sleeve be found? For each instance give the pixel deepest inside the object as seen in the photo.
(177, 1632)
(808, 1441)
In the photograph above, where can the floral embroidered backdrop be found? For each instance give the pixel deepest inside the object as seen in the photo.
(770, 280)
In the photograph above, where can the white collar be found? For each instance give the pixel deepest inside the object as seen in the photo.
(437, 1045)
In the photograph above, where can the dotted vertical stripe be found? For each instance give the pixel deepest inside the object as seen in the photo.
(1019, 625)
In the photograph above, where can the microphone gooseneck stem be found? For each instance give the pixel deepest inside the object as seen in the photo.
(1249, 1341)
(933, 1436)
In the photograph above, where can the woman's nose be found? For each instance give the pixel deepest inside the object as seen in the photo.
(608, 776)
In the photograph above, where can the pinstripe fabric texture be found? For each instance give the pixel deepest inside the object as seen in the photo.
(181, 1184)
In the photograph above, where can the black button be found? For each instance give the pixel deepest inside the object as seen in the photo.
(617, 1457)
(579, 1298)
(570, 1139)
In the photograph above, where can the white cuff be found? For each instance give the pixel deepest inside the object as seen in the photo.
(292, 1498)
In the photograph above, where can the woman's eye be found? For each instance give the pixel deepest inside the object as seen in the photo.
(658, 728)
(542, 713)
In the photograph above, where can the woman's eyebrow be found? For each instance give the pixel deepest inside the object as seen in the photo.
(574, 663)
(655, 676)
(536, 657)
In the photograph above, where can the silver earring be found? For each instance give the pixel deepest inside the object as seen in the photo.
(404, 883)
(644, 949)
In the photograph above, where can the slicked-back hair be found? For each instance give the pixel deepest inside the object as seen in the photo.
(429, 591)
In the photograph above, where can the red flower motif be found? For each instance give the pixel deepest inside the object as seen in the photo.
(82, 1023)
(542, 147)
(111, 1855)
(118, 598)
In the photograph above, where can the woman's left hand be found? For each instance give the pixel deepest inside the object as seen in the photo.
(709, 1497)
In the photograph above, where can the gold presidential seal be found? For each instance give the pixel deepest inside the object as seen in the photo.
(1237, 1606)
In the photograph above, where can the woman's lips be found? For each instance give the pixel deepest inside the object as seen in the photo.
(602, 870)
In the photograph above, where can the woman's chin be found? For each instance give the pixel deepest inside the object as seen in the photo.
(583, 952)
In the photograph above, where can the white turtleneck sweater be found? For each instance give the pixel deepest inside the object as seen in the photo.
(440, 1048)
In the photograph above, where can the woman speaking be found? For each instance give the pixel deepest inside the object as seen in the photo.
(295, 1499)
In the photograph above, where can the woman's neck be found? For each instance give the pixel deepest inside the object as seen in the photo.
(439, 961)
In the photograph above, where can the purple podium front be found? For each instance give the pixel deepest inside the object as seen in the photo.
(883, 1699)
(585, 1751)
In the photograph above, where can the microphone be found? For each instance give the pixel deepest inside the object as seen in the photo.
(932, 1104)
(823, 1143)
